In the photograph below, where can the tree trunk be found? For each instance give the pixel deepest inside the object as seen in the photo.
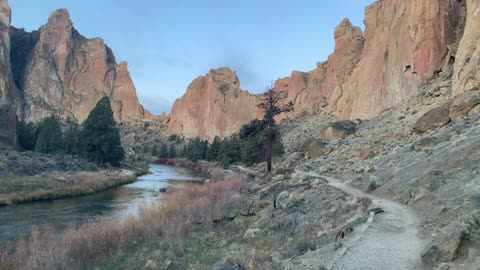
(269, 154)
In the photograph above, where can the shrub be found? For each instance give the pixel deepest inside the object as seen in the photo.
(26, 135)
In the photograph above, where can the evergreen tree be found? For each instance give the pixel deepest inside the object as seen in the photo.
(214, 149)
(26, 136)
(184, 151)
(72, 140)
(172, 153)
(155, 151)
(204, 150)
(50, 139)
(195, 152)
(100, 136)
(163, 151)
(230, 151)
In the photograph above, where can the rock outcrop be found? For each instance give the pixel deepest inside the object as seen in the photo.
(213, 105)
(466, 76)
(405, 42)
(7, 86)
(323, 86)
(435, 118)
(60, 72)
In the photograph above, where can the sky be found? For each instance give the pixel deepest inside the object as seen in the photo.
(169, 43)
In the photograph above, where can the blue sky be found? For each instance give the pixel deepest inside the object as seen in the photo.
(169, 43)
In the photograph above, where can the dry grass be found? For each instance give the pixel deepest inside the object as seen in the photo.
(171, 221)
(50, 186)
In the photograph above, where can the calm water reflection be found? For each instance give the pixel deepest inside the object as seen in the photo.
(18, 220)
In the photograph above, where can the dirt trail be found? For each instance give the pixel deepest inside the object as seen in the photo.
(391, 241)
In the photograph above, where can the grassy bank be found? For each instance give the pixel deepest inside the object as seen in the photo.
(55, 185)
(170, 224)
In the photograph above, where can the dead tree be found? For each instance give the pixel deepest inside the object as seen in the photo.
(271, 104)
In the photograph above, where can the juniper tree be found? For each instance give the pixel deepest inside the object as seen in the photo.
(100, 136)
(49, 138)
(271, 104)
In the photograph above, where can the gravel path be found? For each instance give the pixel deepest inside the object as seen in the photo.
(390, 242)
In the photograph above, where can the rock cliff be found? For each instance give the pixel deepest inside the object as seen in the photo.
(213, 105)
(406, 44)
(7, 87)
(466, 75)
(60, 72)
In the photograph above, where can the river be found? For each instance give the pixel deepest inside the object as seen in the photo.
(17, 220)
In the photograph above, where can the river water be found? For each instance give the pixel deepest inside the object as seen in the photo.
(17, 220)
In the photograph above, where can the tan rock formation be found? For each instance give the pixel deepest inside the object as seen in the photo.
(213, 105)
(406, 41)
(65, 74)
(7, 87)
(466, 75)
(314, 90)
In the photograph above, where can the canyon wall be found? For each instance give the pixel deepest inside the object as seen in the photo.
(60, 72)
(7, 87)
(405, 44)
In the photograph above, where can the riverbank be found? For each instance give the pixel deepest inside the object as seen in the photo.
(58, 185)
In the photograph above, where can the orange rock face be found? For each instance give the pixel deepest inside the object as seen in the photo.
(7, 87)
(323, 86)
(405, 43)
(66, 74)
(213, 105)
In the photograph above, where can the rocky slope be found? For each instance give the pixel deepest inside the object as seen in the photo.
(60, 72)
(213, 105)
(7, 87)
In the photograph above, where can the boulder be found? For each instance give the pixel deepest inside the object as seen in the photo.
(338, 130)
(318, 148)
(251, 233)
(463, 104)
(369, 168)
(444, 248)
(365, 153)
(423, 143)
(373, 183)
(151, 265)
(435, 118)
(293, 160)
